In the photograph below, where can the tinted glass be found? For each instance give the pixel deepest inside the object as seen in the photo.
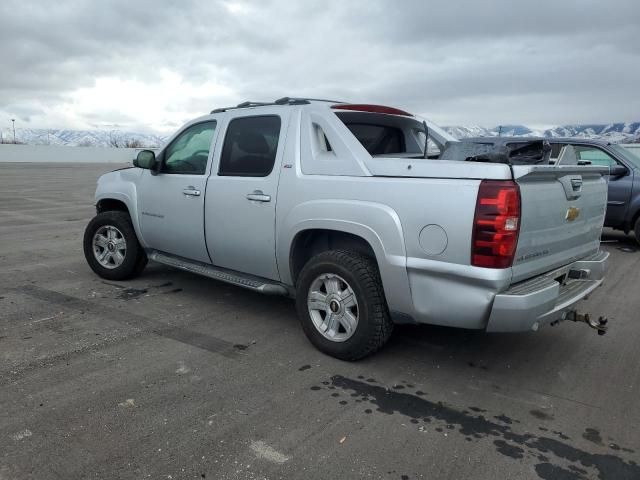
(250, 146)
(388, 135)
(188, 154)
(378, 139)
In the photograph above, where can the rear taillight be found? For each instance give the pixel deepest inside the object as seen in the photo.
(496, 224)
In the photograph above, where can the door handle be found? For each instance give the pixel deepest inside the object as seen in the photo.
(258, 196)
(191, 191)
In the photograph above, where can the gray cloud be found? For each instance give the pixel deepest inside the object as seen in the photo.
(454, 21)
(486, 63)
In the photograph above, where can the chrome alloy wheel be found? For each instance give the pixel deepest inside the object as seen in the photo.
(109, 246)
(333, 307)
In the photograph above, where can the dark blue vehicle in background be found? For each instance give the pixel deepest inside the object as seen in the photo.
(623, 209)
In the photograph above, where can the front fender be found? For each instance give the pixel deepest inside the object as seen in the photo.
(122, 185)
(378, 224)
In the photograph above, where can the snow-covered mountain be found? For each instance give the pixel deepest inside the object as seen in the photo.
(614, 132)
(504, 130)
(83, 138)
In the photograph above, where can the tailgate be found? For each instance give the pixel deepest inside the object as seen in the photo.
(563, 210)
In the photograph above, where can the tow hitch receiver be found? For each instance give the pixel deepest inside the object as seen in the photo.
(600, 325)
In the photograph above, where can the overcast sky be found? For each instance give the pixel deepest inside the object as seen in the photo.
(153, 64)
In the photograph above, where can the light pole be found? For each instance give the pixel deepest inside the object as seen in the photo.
(13, 121)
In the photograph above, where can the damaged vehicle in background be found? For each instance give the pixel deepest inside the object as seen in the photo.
(342, 207)
(623, 170)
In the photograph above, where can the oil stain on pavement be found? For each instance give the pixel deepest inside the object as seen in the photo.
(506, 440)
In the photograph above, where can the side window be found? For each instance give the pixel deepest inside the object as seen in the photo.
(188, 154)
(594, 155)
(250, 146)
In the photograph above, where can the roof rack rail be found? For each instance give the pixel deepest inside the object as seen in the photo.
(251, 104)
(301, 101)
(280, 101)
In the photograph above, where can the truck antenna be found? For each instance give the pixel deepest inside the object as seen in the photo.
(426, 137)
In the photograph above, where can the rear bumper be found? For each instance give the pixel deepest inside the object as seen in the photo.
(547, 298)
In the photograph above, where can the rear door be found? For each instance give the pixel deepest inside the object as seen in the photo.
(240, 204)
(563, 210)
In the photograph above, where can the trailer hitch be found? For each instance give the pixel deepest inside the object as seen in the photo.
(600, 325)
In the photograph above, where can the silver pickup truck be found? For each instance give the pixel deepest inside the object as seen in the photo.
(346, 208)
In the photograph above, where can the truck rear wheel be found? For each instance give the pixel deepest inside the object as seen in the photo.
(341, 304)
(111, 247)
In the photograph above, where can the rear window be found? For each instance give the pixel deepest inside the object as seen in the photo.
(378, 139)
(383, 134)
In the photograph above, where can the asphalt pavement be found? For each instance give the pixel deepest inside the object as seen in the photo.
(173, 376)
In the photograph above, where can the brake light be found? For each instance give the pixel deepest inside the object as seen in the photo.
(496, 224)
(361, 107)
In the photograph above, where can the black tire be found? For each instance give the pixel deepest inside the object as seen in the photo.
(636, 230)
(135, 259)
(374, 325)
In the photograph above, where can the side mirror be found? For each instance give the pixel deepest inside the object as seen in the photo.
(146, 159)
(618, 170)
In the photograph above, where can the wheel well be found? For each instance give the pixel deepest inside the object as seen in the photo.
(309, 243)
(110, 204)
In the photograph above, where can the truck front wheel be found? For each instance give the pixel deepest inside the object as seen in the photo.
(341, 304)
(111, 247)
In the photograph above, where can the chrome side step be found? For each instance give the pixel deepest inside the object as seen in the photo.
(224, 275)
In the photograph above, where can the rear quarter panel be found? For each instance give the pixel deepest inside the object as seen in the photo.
(431, 286)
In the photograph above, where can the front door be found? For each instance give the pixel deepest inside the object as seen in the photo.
(171, 203)
(240, 206)
(619, 187)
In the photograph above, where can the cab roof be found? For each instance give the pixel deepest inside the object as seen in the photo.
(335, 104)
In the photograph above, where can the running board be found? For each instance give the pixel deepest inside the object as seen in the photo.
(250, 282)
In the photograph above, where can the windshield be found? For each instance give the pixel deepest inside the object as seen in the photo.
(627, 154)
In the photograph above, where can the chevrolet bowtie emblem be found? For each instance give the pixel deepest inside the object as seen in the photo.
(572, 214)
